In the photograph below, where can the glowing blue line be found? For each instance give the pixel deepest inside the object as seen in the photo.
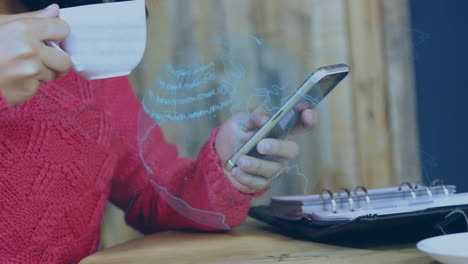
(147, 167)
(181, 117)
(233, 69)
(223, 89)
(259, 42)
(179, 73)
(296, 168)
(188, 85)
(223, 218)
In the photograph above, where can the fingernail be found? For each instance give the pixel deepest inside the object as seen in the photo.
(51, 6)
(264, 147)
(244, 162)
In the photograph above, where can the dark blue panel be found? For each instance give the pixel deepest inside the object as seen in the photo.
(442, 87)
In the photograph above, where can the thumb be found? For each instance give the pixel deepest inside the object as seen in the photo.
(50, 11)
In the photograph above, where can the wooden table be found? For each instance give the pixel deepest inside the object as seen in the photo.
(253, 242)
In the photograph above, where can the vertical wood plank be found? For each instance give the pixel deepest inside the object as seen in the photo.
(298, 37)
(328, 40)
(369, 81)
(245, 27)
(401, 92)
(210, 24)
(159, 52)
(241, 33)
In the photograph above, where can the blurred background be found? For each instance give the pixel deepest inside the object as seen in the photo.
(400, 116)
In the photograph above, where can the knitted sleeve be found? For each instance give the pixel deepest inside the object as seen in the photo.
(3, 104)
(157, 188)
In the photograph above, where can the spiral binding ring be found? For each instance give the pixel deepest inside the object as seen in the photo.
(442, 183)
(425, 185)
(429, 192)
(332, 199)
(350, 199)
(445, 190)
(413, 194)
(412, 189)
(368, 200)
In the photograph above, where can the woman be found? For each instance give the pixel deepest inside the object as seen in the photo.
(68, 145)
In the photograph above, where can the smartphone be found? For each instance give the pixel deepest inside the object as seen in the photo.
(316, 87)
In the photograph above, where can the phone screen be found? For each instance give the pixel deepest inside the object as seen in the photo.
(308, 101)
(319, 91)
(309, 94)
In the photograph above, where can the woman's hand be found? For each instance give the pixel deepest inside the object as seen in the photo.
(251, 174)
(25, 60)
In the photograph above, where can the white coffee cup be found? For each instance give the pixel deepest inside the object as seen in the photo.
(106, 40)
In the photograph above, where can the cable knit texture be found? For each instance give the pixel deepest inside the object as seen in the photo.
(74, 146)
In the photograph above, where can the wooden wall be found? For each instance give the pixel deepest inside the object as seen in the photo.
(367, 133)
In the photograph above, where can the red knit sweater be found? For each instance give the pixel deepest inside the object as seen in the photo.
(67, 151)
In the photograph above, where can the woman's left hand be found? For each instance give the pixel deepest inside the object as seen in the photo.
(252, 175)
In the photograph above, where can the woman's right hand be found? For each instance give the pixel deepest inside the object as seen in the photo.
(25, 60)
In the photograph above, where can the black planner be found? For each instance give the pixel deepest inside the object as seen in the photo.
(405, 213)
